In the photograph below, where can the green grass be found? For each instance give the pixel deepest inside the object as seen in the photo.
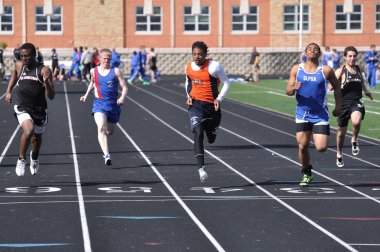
(271, 94)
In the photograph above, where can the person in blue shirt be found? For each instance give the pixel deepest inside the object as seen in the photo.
(371, 59)
(105, 80)
(115, 62)
(309, 82)
(135, 67)
(142, 56)
(327, 57)
(335, 59)
(75, 64)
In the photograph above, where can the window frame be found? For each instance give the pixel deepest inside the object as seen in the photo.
(148, 22)
(296, 22)
(348, 20)
(1, 23)
(377, 14)
(245, 22)
(48, 21)
(197, 22)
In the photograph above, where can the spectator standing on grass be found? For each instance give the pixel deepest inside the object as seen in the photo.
(335, 59)
(152, 63)
(308, 81)
(371, 59)
(254, 69)
(75, 60)
(352, 86)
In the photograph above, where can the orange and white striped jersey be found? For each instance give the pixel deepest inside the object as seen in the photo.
(202, 82)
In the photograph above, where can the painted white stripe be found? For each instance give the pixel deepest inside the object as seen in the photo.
(82, 210)
(364, 244)
(180, 201)
(9, 143)
(314, 224)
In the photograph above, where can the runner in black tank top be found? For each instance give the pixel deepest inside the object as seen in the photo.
(352, 86)
(31, 83)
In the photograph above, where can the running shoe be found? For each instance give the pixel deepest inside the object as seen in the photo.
(339, 162)
(107, 159)
(34, 165)
(202, 174)
(355, 148)
(146, 83)
(20, 167)
(306, 180)
(129, 82)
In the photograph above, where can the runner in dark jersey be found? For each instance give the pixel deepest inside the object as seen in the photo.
(31, 83)
(352, 86)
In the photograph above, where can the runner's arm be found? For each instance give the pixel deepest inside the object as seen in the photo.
(48, 82)
(90, 86)
(124, 88)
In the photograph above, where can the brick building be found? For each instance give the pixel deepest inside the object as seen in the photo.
(176, 23)
(227, 26)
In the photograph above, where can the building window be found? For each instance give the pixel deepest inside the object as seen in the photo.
(197, 23)
(6, 20)
(148, 23)
(348, 21)
(49, 23)
(292, 18)
(247, 22)
(377, 16)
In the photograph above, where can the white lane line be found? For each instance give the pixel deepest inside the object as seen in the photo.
(82, 210)
(364, 244)
(9, 144)
(180, 201)
(274, 152)
(314, 224)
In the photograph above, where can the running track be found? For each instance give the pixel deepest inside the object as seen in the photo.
(151, 199)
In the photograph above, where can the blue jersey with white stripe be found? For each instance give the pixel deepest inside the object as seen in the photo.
(106, 89)
(312, 96)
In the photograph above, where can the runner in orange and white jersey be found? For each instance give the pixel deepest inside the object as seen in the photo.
(203, 97)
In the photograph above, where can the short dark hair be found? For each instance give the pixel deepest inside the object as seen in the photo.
(319, 48)
(350, 48)
(201, 45)
(29, 46)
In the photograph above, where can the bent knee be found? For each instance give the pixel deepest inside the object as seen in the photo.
(321, 148)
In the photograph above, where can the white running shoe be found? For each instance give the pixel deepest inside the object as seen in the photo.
(355, 148)
(202, 174)
(339, 162)
(107, 159)
(20, 167)
(34, 165)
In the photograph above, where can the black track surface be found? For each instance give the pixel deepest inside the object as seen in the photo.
(151, 198)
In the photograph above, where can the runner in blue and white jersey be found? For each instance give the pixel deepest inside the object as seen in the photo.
(106, 108)
(309, 81)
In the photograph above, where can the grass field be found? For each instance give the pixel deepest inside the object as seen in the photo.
(271, 94)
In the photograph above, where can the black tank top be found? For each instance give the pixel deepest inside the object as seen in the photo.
(30, 89)
(352, 85)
